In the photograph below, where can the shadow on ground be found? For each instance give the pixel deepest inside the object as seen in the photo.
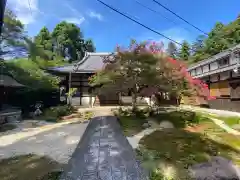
(180, 149)
(7, 127)
(29, 167)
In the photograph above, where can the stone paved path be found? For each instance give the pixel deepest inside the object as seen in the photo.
(57, 142)
(104, 153)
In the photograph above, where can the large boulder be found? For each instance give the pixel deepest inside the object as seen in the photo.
(166, 125)
(218, 168)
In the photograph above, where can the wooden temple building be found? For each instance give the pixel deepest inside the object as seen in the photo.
(222, 73)
(76, 75)
(8, 113)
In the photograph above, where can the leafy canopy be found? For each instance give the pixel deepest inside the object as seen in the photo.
(29, 74)
(11, 40)
(143, 67)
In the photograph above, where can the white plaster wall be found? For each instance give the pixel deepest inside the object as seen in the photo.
(199, 70)
(213, 66)
(205, 68)
(86, 101)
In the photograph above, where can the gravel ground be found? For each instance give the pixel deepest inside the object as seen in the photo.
(58, 142)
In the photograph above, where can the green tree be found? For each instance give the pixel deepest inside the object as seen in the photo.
(12, 35)
(128, 70)
(184, 51)
(68, 40)
(198, 45)
(216, 42)
(44, 43)
(172, 50)
(89, 46)
(44, 39)
(28, 73)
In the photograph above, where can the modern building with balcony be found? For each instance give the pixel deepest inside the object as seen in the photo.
(222, 73)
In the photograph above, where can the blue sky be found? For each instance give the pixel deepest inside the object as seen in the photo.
(107, 28)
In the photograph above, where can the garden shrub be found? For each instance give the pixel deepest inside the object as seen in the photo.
(54, 113)
(181, 118)
(139, 113)
(88, 115)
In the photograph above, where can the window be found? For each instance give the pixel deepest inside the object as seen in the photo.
(214, 66)
(205, 68)
(199, 70)
(223, 62)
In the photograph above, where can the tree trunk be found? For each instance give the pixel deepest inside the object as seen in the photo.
(134, 101)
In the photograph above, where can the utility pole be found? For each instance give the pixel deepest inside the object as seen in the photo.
(2, 9)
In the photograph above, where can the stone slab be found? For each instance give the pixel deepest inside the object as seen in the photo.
(104, 153)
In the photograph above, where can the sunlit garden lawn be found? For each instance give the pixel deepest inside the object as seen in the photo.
(232, 121)
(194, 139)
(181, 148)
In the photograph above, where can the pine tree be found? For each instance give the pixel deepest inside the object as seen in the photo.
(184, 52)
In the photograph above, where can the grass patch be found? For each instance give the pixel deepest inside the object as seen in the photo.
(29, 167)
(131, 125)
(180, 148)
(214, 132)
(131, 121)
(180, 119)
(7, 127)
(186, 148)
(230, 120)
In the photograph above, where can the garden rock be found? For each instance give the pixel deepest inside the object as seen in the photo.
(166, 125)
(146, 125)
(218, 168)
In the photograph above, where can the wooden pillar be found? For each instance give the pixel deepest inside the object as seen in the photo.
(69, 86)
(66, 83)
(80, 89)
(1, 96)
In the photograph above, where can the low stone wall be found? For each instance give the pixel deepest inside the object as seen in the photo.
(225, 104)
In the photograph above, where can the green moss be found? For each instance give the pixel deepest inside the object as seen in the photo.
(131, 125)
(29, 167)
(183, 148)
(181, 119)
(230, 120)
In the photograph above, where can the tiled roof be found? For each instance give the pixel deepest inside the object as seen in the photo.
(89, 64)
(8, 81)
(215, 57)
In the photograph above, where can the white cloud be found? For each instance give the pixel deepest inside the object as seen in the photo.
(74, 20)
(72, 9)
(77, 19)
(96, 15)
(26, 10)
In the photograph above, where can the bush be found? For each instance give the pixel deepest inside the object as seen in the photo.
(88, 115)
(54, 113)
(181, 118)
(139, 113)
